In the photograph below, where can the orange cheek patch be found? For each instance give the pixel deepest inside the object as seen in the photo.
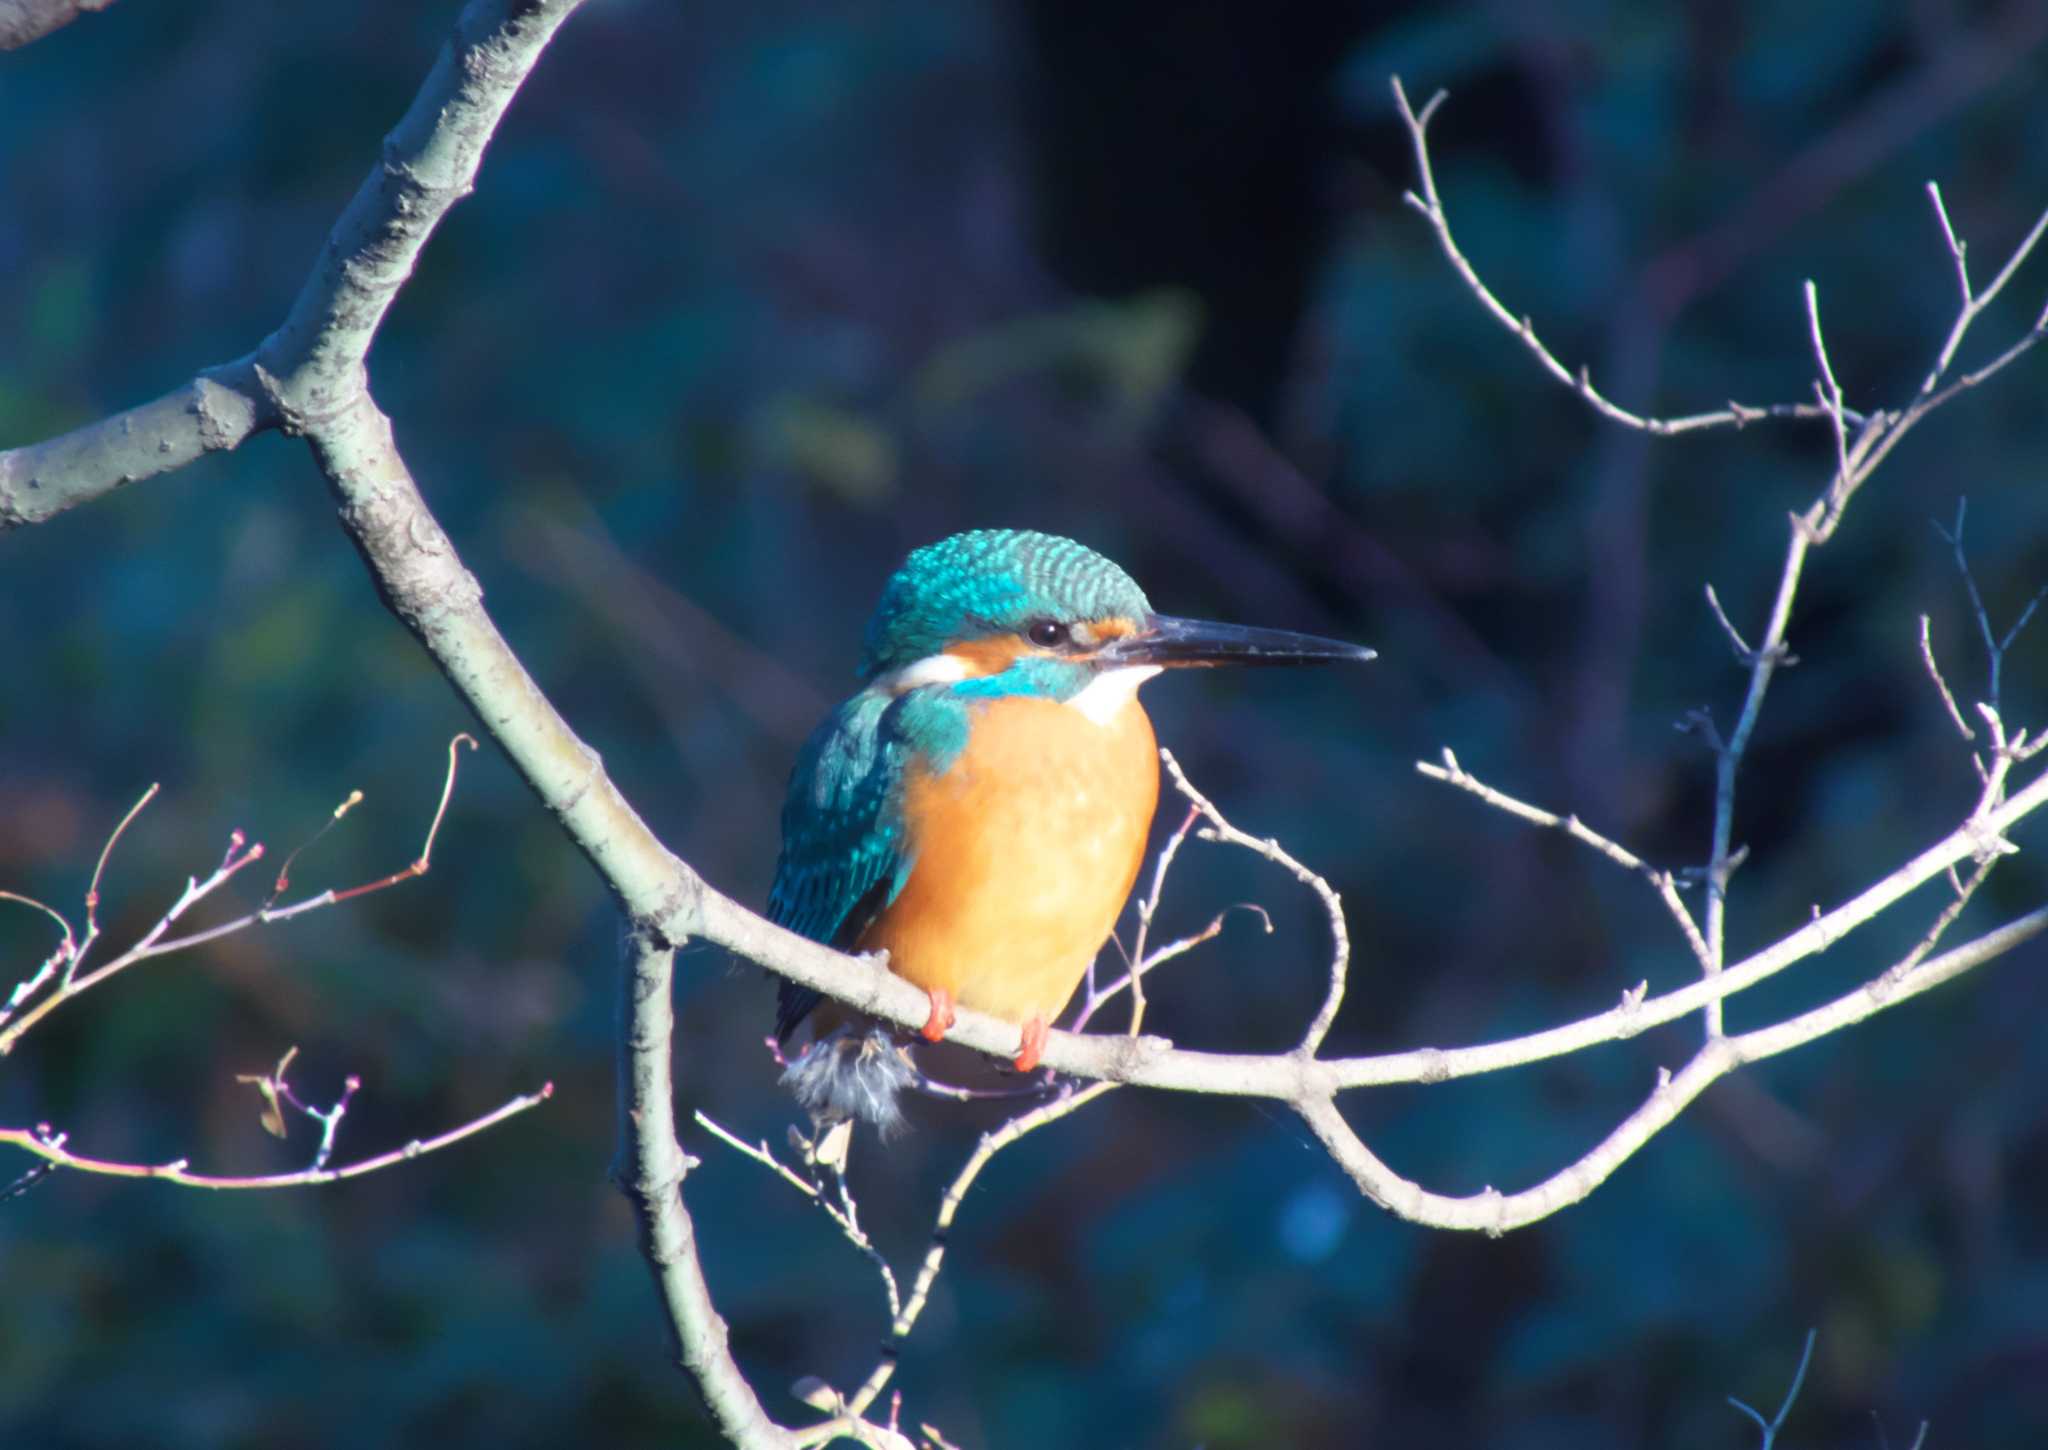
(990, 656)
(997, 652)
(1104, 632)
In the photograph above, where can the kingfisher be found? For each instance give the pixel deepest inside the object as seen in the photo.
(980, 807)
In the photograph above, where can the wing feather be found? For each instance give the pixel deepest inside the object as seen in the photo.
(844, 853)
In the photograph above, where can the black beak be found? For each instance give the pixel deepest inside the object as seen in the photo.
(1171, 642)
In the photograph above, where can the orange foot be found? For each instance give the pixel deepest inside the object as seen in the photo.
(936, 1025)
(1033, 1045)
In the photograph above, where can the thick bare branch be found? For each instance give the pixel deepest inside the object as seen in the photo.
(1493, 1212)
(22, 21)
(312, 366)
(1153, 1062)
(650, 1169)
(213, 412)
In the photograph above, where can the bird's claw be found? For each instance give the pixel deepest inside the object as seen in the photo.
(940, 1021)
(1033, 1045)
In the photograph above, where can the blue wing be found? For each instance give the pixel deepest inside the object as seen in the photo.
(844, 856)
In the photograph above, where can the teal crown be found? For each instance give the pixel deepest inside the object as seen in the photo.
(991, 581)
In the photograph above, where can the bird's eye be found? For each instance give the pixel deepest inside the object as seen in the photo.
(1046, 633)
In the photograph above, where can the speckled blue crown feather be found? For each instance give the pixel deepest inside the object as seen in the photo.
(987, 582)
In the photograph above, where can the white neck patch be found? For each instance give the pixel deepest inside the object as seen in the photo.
(1099, 700)
(1105, 695)
(938, 669)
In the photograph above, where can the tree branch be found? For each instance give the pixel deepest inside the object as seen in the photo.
(72, 952)
(22, 21)
(1855, 460)
(1770, 1428)
(312, 366)
(212, 413)
(1662, 882)
(1431, 206)
(1493, 1212)
(49, 1145)
(650, 1170)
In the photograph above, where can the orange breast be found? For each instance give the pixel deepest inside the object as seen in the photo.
(1025, 853)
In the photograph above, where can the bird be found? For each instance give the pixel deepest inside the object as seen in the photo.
(979, 808)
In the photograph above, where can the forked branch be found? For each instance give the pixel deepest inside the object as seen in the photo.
(1861, 443)
(60, 978)
(1431, 206)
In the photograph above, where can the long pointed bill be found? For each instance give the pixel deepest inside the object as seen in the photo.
(1171, 642)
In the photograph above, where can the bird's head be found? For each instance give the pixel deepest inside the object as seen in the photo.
(1048, 616)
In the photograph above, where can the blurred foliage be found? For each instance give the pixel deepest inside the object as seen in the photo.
(751, 299)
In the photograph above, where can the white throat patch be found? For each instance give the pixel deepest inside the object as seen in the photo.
(1110, 691)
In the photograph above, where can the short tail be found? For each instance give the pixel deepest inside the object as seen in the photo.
(852, 1074)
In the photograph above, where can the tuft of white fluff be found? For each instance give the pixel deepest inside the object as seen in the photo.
(852, 1074)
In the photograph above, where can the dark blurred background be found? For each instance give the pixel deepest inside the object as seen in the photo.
(750, 300)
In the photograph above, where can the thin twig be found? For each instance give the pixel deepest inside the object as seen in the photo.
(278, 1094)
(1662, 882)
(844, 1213)
(1771, 651)
(241, 853)
(1333, 905)
(48, 1145)
(1971, 306)
(1134, 977)
(1430, 205)
(37, 1173)
(72, 950)
(64, 955)
(424, 861)
(1831, 398)
(1743, 653)
(92, 891)
(1956, 248)
(1772, 1426)
(949, 1204)
(759, 1152)
(1995, 645)
(1934, 672)
(1876, 433)
(1142, 959)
